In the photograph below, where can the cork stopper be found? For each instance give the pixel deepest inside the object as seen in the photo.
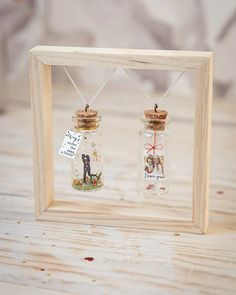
(86, 119)
(155, 119)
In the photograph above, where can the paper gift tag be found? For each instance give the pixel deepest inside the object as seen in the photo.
(70, 144)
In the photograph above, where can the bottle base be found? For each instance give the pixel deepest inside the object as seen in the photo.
(89, 186)
(153, 190)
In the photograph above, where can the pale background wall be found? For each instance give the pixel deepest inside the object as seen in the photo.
(156, 24)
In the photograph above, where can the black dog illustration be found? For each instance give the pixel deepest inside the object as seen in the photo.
(87, 168)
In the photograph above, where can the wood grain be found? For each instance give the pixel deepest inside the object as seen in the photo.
(49, 258)
(41, 102)
(131, 58)
(202, 144)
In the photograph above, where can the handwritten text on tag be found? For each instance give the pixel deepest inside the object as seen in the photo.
(70, 144)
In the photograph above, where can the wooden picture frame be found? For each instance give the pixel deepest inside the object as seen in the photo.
(46, 208)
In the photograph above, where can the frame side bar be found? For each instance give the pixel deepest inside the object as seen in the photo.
(41, 105)
(202, 143)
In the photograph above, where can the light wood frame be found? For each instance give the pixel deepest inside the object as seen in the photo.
(46, 208)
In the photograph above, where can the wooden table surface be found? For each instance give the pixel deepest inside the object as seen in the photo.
(56, 258)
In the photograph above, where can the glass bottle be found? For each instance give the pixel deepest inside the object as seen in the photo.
(87, 165)
(154, 153)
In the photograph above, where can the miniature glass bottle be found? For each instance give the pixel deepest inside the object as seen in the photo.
(154, 153)
(87, 165)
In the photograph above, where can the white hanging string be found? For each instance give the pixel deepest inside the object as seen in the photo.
(103, 85)
(88, 103)
(75, 86)
(135, 80)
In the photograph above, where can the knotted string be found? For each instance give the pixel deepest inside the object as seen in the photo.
(149, 147)
(153, 147)
(88, 103)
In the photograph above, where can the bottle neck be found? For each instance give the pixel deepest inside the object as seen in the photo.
(154, 124)
(86, 130)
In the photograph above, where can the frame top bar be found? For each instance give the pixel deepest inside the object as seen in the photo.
(115, 57)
